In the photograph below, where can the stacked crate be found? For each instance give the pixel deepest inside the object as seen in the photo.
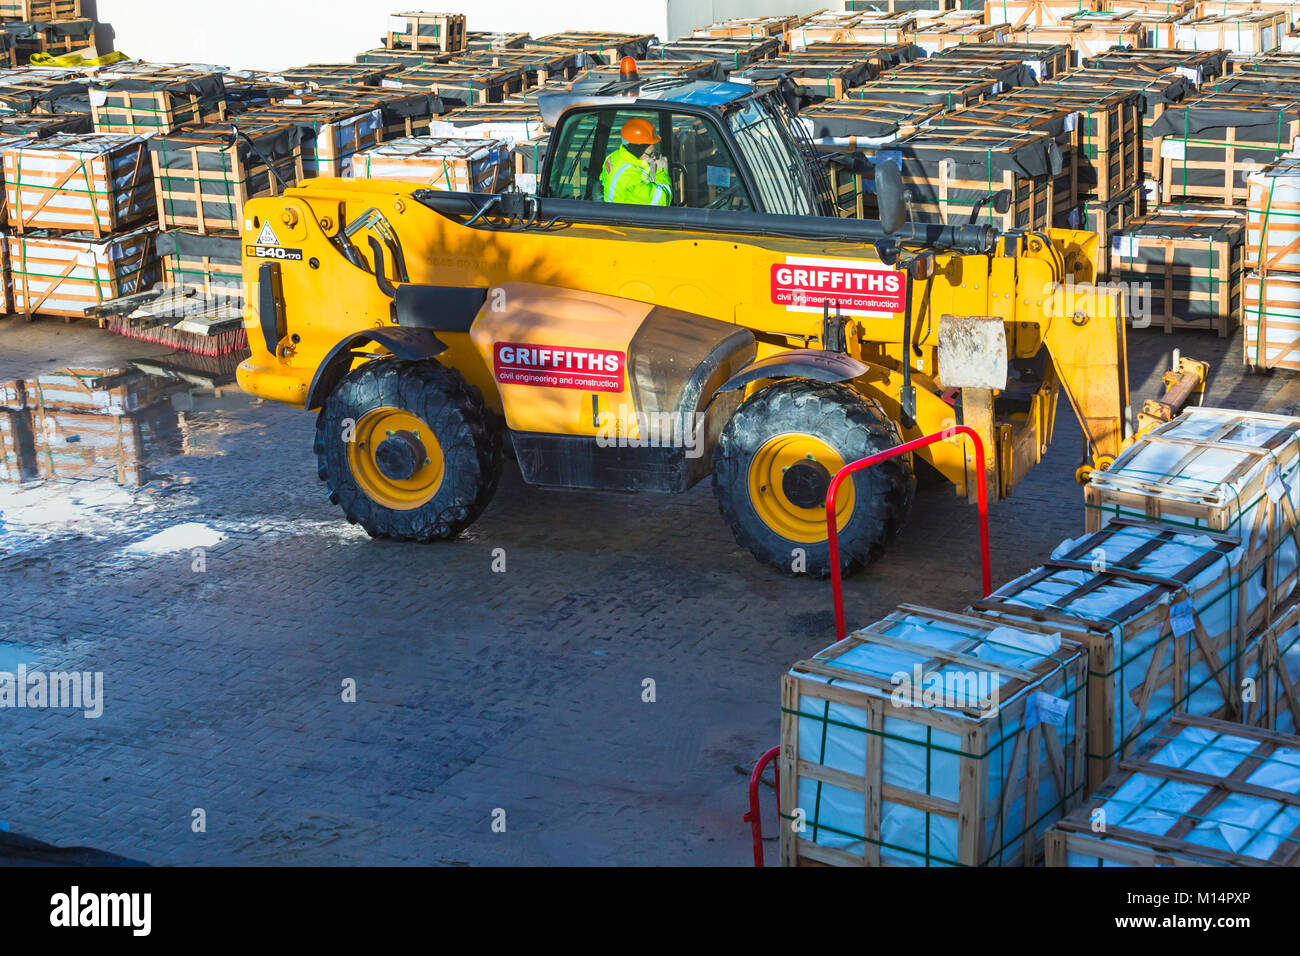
(50, 37)
(79, 210)
(1272, 287)
(972, 730)
(607, 48)
(853, 27)
(828, 71)
(459, 86)
(1045, 61)
(733, 54)
(418, 31)
(330, 133)
(1202, 793)
(158, 101)
(454, 165)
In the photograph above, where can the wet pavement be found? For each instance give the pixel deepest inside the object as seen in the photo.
(278, 688)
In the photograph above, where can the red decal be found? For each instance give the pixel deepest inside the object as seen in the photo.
(873, 290)
(559, 366)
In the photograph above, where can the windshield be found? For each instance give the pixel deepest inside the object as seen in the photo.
(771, 154)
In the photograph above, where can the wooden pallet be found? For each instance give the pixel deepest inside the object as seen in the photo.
(963, 817)
(203, 176)
(1272, 663)
(1241, 33)
(1191, 258)
(212, 265)
(157, 102)
(65, 274)
(1211, 164)
(1271, 321)
(452, 165)
(418, 31)
(1212, 762)
(40, 10)
(70, 182)
(1145, 659)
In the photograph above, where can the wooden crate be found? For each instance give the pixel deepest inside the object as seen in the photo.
(1109, 145)
(1163, 615)
(1045, 60)
(30, 10)
(1159, 7)
(1108, 29)
(331, 132)
(1191, 257)
(452, 165)
(1060, 123)
(970, 784)
(1273, 218)
(1008, 73)
(306, 78)
(1270, 674)
(609, 47)
(479, 40)
(864, 125)
(1019, 13)
(934, 40)
(72, 182)
(212, 265)
(426, 31)
(459, 86)
(55, 37)
(1241, 33)
(1202, 793)
(17, 449)
(529, 154)
(853, 27)
(66, 274)
(750, 27)
(511, 122)
(949, 171)
(1271, 323)
(404, 112)
(732, 54)
(828, 80)
(657, 69)
(1084, 40)
(402, 59)
(1198, 66)
(157, 102)
(1219, 471)
(203, 176)
(539, 67)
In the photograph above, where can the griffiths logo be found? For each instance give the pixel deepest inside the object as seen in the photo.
(805, 284)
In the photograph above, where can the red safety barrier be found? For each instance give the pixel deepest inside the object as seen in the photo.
(837, 583)
(752, 817)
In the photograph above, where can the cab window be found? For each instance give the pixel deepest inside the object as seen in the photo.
(702, 174)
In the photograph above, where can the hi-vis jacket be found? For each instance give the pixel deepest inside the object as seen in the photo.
(627, 178)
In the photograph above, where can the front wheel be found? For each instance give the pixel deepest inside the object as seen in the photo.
(408, 450)
(774, 462)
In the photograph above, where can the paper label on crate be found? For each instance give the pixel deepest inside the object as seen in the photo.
(1182, 618)
(97, 97)
(559, 366)
(1125, 247)
(1274, 486)
(1043, 708)
(390, 84)
(854, 286)
(396, 24)
(1191, 73)
(1173, 149)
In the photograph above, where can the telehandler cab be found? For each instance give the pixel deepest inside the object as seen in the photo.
(744, 331)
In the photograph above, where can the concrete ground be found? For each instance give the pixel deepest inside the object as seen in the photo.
(228, 605)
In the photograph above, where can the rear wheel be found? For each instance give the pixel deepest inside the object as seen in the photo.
(774, 462)
(408, 450)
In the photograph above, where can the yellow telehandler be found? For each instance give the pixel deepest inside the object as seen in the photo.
(743, 331)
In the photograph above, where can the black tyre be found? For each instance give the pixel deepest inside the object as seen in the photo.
(408, 450)
(773, 464)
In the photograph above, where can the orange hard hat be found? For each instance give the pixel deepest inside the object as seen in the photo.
(639, 131)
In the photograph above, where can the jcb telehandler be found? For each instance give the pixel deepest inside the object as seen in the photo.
(745, 331)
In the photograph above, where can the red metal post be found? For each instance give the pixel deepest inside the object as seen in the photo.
(837, 583)
(752, 817)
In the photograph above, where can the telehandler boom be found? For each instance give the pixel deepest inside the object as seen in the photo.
(743, 331)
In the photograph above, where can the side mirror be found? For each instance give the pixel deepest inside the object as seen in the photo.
(889, 198)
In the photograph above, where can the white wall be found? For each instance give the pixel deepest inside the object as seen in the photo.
(276, 34)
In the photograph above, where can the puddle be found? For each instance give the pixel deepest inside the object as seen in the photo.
(111, 423)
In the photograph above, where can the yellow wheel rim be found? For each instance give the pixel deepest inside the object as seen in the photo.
(400, 494)
(767, 473)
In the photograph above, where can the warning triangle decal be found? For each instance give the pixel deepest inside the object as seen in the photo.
(267, 236)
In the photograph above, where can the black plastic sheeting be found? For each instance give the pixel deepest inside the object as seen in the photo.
(224, 250)
(38, 127)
